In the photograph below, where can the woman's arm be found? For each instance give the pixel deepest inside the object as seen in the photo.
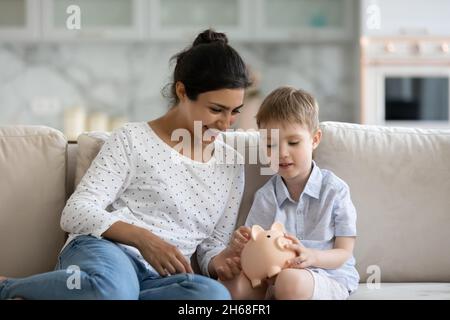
(107, 177)
(227, 263)
(215, 246)
(164, 257)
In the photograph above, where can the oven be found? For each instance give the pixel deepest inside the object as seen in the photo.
(405, 82)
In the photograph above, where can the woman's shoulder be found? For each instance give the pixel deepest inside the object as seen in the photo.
(135, 131)
(132, 127)
(134, 136)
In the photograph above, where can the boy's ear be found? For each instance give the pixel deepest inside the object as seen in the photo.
(316, 138)
(256, 229)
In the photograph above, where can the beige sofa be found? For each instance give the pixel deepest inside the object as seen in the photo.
(399, 180)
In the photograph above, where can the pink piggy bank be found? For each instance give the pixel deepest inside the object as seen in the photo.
(265, 255)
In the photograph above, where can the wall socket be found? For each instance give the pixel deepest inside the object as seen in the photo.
(45, 106)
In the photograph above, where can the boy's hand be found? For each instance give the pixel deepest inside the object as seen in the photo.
(238, 240)
(305, 257)
(293, 238)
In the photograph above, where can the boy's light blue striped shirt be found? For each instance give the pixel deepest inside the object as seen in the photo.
(324, 211)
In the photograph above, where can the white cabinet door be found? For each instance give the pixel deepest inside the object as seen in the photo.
(19, 20)
(184, 19)
(99, 19)
(298, 20)
(405, 18)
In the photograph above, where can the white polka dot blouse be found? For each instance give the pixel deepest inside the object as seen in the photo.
(139, 179)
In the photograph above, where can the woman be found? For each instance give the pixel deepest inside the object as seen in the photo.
(144, 207)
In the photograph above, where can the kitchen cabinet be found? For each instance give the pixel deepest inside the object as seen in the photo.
(304, 20)
(383, 18)
(100, 19)
(19, 20)
(178, 19)
(254, 20)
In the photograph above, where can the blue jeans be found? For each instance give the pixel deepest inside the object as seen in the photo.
(91, 268)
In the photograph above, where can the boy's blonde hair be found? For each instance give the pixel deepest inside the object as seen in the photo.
(288, 104)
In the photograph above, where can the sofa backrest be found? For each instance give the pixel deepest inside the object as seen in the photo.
(399, 180)
(32, 196)
(400, 184)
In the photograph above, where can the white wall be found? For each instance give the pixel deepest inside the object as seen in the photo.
(126, 79)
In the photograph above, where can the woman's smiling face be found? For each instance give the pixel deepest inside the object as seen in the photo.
(217, 110)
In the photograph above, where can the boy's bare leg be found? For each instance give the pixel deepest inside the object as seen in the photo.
(294, 284)
(241, 289)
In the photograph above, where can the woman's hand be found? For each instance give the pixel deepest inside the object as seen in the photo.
(164, 257)
(238, 240)
(226, 265)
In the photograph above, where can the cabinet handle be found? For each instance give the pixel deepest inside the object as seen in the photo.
(414, 31)
(91, 34)
(389, 47)
(417, 47)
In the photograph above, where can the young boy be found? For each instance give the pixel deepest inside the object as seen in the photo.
(312, 203)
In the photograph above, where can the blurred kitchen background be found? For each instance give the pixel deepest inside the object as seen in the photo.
(78, 65)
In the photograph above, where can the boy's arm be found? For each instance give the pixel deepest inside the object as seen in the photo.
(344, 214)
(325, 259)
(336, 257)
(345, 233)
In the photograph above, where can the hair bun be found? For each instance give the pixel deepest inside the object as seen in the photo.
(209, 36)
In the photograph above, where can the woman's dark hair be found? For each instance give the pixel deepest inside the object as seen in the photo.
(209, 64)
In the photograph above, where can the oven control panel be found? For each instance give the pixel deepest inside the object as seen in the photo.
(405, 49)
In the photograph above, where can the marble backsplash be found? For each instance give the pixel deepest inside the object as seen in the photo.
(39, 81)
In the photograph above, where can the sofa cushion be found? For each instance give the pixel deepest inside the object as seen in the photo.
(399, 180)
(403, 291)
(89, 144)
(32, 196)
